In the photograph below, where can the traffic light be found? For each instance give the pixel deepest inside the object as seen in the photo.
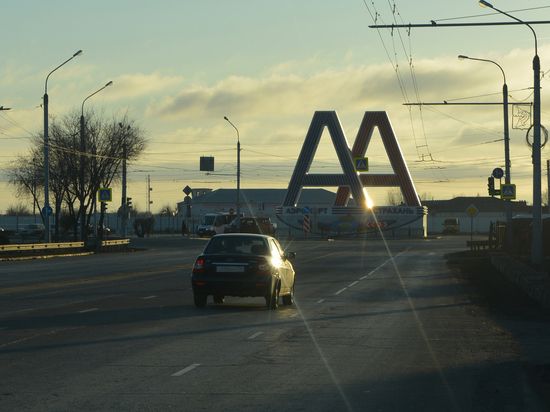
(491, 185)
(129, 202)
(103, 207)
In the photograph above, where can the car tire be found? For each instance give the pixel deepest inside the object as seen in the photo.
(219, 299)
(289, 299)
(272, 301)
(200, 300)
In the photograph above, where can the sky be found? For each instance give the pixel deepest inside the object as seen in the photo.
(179, 67)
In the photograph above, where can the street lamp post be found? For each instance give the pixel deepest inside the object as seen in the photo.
(238, 176)
(82, 164)
(47, 235)
(536, 251)
(124, 207)
(507, 177)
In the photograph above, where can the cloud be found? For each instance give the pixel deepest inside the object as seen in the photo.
(136, 85)
(353, 89)
(286, 95)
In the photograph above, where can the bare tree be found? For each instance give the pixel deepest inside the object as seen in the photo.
(85, 155)
(26, 174)
(18, 210)
(394, 197)
(167, 210)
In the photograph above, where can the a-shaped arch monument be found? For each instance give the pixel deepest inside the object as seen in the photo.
(350, 180)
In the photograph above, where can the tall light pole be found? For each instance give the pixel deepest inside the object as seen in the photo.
(238, 176)
(47, 235)
(507, 176)
(124, 207)
(82, 168)
(536, 251)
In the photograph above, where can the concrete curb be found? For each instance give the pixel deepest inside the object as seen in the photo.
(535, 284)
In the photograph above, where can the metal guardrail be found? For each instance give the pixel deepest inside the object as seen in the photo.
(113, 245)
(25, 250)
(40, 246)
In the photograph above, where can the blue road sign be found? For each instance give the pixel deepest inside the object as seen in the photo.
(507, 191)
(361, 164)
(498, 173)
(105, 194)
(47, 211)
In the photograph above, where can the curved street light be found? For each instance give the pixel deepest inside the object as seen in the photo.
(82, 161)
(507, 176)
(537, 250)
(47, 234)
(238, 176)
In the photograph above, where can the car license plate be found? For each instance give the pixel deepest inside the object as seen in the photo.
(224, 268)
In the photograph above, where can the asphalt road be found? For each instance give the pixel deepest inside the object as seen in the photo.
(374, 327)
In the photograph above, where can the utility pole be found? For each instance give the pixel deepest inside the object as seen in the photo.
(125, 210)
(149, 188)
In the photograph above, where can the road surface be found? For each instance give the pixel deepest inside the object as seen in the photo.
(374, 327)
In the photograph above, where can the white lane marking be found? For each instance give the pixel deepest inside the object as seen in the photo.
(88, 310)
(149, 297)
(255, 335)
(320, 301)
(372, 271)
(293, 316)
(189, 368)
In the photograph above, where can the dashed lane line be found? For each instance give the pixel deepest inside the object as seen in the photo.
(370, 273)
(188, 369)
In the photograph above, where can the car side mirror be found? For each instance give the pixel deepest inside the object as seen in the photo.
(290, 255)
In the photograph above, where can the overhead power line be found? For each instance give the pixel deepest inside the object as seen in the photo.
(435, 24)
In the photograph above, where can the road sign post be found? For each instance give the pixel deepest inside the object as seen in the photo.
(472, 211)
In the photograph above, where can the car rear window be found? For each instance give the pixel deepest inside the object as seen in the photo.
(234, 245)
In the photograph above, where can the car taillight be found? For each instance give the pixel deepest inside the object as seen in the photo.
(264, 267)
(199, 266)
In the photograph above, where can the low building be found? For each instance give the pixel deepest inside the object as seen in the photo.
(254, 202)
(490, 209)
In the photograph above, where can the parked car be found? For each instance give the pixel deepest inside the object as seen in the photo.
(242, 264)
(252, 225)
(35, 229)
(451, 225)
(214, 224)
(4, 239)
(90, 230)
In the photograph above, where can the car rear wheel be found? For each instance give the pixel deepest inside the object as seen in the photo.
(200, 300)
(289, 299)
(219, 299)
(272, 301)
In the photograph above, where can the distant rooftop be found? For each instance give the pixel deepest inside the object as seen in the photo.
(273, 196)
(483, 204)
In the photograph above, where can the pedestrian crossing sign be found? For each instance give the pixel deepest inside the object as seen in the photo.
(105, 194)
(361, 164)
(507, 191)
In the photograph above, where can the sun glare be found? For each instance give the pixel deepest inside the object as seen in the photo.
(369, 201)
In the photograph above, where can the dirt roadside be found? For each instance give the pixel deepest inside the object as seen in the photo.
(527, 322)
